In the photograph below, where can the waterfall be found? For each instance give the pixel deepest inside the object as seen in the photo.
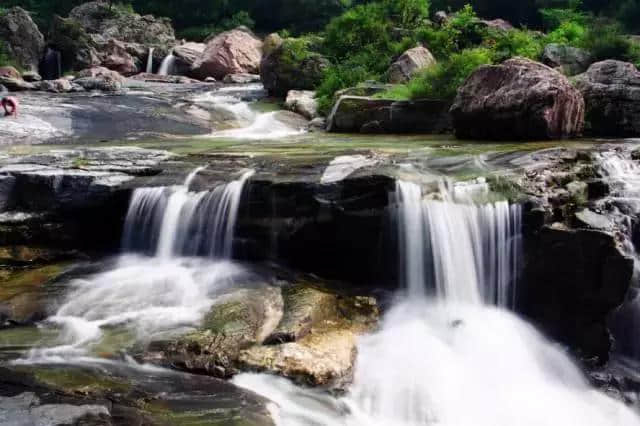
(168, 64)
(172, 221)
(448, 353)
(470, 252)
(150, 61)
(162, 293)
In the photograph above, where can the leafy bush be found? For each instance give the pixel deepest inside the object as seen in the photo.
(338, 77)
(463, 30)
(507, 44)
(605, 40)
(568, 32)
(443, 80)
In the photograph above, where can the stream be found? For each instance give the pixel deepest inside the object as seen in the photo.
(449, 350)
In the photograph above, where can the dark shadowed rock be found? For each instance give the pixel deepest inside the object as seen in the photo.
(16, 84)
(281, 70)
(409, 63)
(573, 280)
(373, 115)
(231, 52)
(611, 91)
(518, 99)
(566, 59)
(74, 44)
(22, 38)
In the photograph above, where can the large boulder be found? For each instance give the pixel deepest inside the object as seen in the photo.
(303, 102)
(519, 99)
(231, 52)
(409, 63)
(97, 17)
(611, 91)
(188, 53)
(373, 115)
(22, 38)
(566, 59)
(10, 72)
(116, 57)
(291, 64)
(76, 48)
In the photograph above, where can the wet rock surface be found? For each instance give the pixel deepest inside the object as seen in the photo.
(297, 331)
(518, 99)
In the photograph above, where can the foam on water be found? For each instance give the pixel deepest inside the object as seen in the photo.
(448, 353)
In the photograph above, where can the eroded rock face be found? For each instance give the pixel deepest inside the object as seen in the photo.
(373, 115)
(409, 63)
(566, 59)
(22, 37)
(187, 54)
(519, 99)
(231, 52)
(73, 42)
(611, 91)
(97, 17)
(303, 102)
(281, 71)
(116, 57)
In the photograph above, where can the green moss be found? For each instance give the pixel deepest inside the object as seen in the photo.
(75, 380)
(162, 412)
(14, 282)
(505, 187)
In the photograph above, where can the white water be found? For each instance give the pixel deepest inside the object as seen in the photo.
(449, 358)
(163, 293)
(150, 61)
(244, 122)
(167, 67)
(172, 221)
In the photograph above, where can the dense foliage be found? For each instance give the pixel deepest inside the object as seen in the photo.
(361, 38)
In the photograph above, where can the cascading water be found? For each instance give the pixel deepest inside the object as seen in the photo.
(171, 221)
(51, 64)
(144, 296)
(239, 120)
(150, 61)
(622, 175)
(167, 67)
(445, 354)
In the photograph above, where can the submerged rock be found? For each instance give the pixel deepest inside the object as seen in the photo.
(518, 99)
(409, 63)
(611, 91)
(231, 52)
(22, 38)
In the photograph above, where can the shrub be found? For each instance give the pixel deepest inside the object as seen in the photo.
(443, 80)
(605, 40)
(338, 77)
(507, 44)
(463, 30)
(568, 32)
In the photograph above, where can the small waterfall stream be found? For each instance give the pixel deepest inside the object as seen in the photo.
(167, 67)
(167, 292)
(447, 354)
(149, 69)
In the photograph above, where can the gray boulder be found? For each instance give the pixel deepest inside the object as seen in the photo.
(611, 91)
(97, 17)
(409, 63)
(566, 59)
(22, 37)
(519, 99)
(303, 102)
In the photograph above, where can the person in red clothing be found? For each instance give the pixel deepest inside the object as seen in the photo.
(10, 105)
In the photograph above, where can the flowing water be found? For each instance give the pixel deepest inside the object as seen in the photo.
(170, 290)
(238, 120)
(149, 69)
(167, 67)
(448, 353)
